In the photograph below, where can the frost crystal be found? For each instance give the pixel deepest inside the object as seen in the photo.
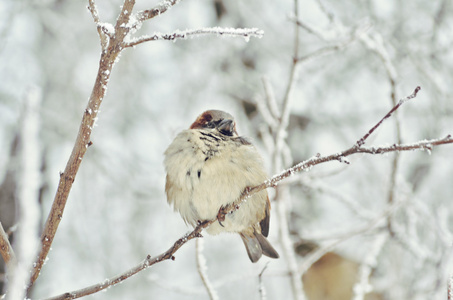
(107, 28)
(246, 33)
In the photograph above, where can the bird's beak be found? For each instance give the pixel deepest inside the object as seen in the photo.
(226, 127)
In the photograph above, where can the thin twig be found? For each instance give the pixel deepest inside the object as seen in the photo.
(363, 286)
(375, 43)
(178, 34)
(401, 102)
(94, 11)
(283, 197)
(156, 11)
(95, 15)
(147, 262)
(262, 288)
(281, 201)
(270, 97)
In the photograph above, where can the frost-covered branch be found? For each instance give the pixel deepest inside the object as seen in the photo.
(362, 287)
(156, 11)
(388, 115)
(246, 33)
(306, 165)
(147, 262)
(270, 97)
(375, 43)
(202, 270)
(342, 156)
(95, 15)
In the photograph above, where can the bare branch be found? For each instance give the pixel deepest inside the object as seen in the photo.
(310, 29)
(94, 13)
(305, 165)
(375, 42)
(340, 156)
(339, 45)
(6, 250)
(270, 97)
(246, 33)
(147, 262)
(401, 102)
(156, 11)
(122, 26)
(107, 60)
(93, 10)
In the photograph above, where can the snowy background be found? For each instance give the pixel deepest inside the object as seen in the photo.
(117, 212)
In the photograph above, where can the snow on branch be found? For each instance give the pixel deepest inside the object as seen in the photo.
(156, 11)
(95, 15)
(341, 157)
(246, 33)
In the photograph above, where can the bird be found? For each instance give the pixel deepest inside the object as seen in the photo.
(209, 166)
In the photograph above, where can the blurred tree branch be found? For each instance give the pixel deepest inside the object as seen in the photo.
(113, 41)
(202, 270)
(281, 157)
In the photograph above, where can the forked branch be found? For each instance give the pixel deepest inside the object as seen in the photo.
(114, 38)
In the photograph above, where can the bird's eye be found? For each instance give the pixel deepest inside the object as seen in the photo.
(210, 124)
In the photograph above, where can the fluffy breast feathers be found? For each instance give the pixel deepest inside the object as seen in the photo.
(206, 171)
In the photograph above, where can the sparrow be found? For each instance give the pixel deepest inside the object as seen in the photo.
(208, 167)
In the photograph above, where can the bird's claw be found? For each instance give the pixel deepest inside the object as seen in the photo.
(221, 216)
